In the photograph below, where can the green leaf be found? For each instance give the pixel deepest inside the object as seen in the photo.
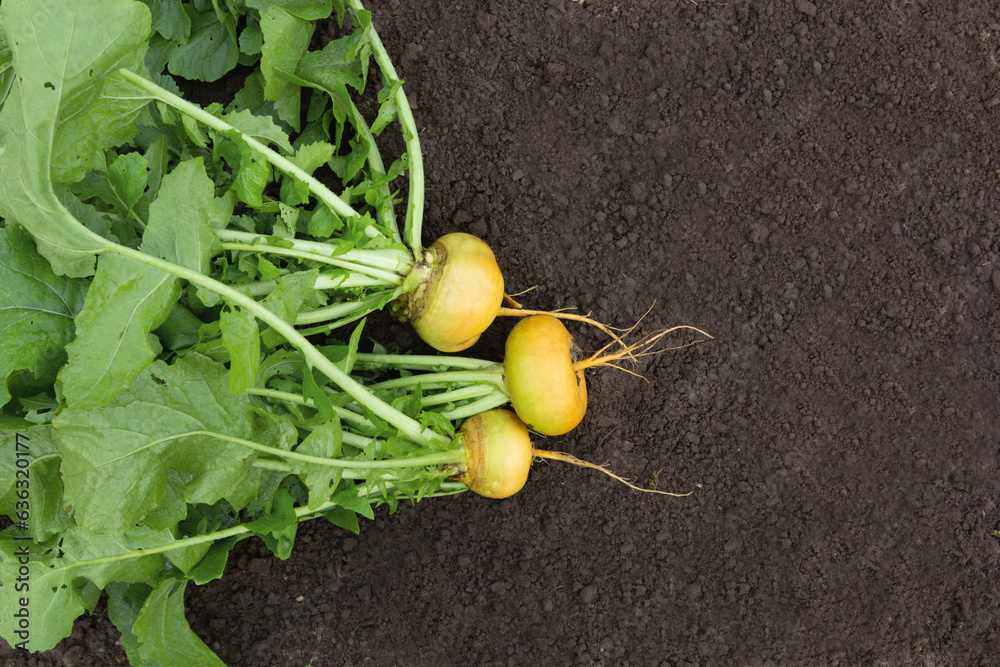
(34, 485)
(437, 422)
(63, 110)
(261, 128)
(310, 10)
(157, 158)
(288, 107)
(324, 442)
(117, 458)
(311, 157)
(194, 131)
(213, 564)
(37, 308)
(242, 339)
(201, 520)
(251, 96)
(253, 173)
(343, 518)
(121, 186)
(66, 574)
(332, 70)
(180, 330)
(350, 358)
(124, 604)
(171, 509)
(280, 518)
(126, 301)
(324, 223)
(163, 632)
(170, 19)
(348, 498)
(211, 52)
(251, 39)
(127, 175)
(128, 298)
(320, 399)
(180, 219)
(389, 108)
(292, 291)
(286, 39)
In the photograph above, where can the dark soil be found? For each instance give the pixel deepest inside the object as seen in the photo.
(817, 185)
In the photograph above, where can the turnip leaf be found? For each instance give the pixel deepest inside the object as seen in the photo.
(286, 38)
(242, 339)
(66, 577)
(163, 632)
(310, 10)
(56, 117)
(210, 53)
(170, 19)
(44, 486)
(325, 441)
(129, 299)
(36, 319)
(117, 458)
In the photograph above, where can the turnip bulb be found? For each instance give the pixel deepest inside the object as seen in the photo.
(454, 293)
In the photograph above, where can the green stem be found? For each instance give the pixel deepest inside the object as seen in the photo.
(423, 361)
(491, 377)
(436, 458)
(323, 282)
(455, 395)
(343, 413)
(352, 309)
(282, 163)
(282, 466)
(488, 402)
(314, 358)
(308, 317)
(415, 205)
(449, 488)
(396, 261)
(324, 259)
(377, 166)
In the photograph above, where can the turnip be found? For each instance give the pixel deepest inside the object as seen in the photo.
(542, 375)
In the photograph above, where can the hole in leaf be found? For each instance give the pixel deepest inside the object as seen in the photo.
(48, 84)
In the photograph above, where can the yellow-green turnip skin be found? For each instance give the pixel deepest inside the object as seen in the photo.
(547, 393)
(454, 294)
(499, 453)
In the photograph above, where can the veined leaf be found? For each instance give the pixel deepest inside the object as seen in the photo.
(286, 39)
(310, 10)
(56, 117)
(324, 442)
(124, 604)
(163, 632)
(261, 128)
(42, 488)
(117, 458)
(170, 19)
(211, 52)
(64, 573)
(37, 308)
(129, 299)
(242, 338)
(180, 219)
(126, 301)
